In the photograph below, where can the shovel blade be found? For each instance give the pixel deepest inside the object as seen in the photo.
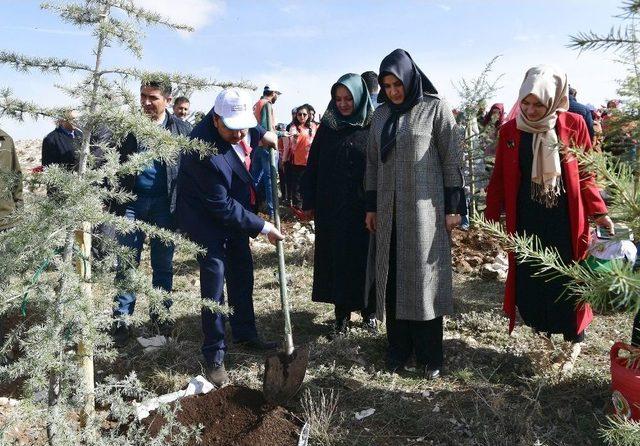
(283, 374)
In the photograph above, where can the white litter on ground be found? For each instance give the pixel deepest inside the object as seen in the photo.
(196, 386)
(364, 414)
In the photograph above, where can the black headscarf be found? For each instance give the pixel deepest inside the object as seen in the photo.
(416, 84)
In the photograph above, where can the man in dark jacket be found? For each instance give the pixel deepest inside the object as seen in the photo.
(155, 191)
(580, 109)
(216, 209)
(61, 145)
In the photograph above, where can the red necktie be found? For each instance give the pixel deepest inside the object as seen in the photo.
(247, 163)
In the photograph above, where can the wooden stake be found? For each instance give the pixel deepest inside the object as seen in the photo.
(85, 347)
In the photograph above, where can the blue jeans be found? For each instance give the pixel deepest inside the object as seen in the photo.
(155, 211)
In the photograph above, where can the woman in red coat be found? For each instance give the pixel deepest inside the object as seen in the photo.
(538, 184)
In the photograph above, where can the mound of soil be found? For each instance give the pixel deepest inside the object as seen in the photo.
(472, 249)
(235, 416)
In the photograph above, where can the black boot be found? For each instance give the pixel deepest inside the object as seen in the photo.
(370, 323)
(341, 328)
(120, 334)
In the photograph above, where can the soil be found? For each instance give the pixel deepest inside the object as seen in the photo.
(471, 249)
(235, 416)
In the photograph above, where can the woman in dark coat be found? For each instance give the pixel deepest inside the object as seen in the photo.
(333, 194)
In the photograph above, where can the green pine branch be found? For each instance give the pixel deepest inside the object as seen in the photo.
(617, 288)
(619, 39)
(24, 63)
(620, 431)
(88, 14)
(145, 16)
(182, 82)
(20, 110)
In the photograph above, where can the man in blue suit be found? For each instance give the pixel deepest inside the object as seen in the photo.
(216, 203)
(582, 110)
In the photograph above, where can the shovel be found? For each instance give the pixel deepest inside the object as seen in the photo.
(283, 371)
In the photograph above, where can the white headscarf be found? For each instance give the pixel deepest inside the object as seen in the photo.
(550, 86)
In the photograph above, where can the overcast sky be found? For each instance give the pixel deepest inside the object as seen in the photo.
(305, 46)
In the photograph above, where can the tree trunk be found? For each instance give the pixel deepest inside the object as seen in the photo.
(83, 240)
(54, 377)
(470, 158)
(85, 346)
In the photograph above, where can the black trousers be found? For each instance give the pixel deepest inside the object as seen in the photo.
(423, 338)
(295, 177)
(369, 312)
(282, 181)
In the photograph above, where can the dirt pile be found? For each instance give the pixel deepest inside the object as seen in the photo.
(236, 416)
(479, 254)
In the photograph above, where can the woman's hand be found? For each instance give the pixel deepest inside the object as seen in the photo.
(452, 221)
(370, 222)
(604, 221)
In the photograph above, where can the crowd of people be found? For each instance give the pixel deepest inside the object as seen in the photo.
(381, 173)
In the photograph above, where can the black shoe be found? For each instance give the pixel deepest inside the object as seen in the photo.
(429, 373)
(120, 334)
(217, 375)
(394, 366)
(258, 344)
(371, 325)
(341, 327)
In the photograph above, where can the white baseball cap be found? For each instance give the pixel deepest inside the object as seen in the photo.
(233, 105)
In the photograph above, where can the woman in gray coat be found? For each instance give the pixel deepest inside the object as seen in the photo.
(415, 198)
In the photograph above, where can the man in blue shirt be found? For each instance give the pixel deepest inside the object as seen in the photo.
(216, 209)
(155, 192)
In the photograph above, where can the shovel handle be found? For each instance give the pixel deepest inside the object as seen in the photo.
(284, 299)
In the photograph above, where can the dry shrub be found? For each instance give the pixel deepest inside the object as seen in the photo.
(319, 411)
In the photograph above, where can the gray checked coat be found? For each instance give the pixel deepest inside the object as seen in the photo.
(410, 184)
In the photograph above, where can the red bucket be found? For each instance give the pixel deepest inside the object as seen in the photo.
(625, 382)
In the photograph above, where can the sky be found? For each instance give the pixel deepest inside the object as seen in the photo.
(305, 46)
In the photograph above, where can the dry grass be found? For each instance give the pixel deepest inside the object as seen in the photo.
(496, 389)
(319, 411)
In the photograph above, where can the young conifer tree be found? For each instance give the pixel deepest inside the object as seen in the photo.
(623, 132)
(51, 277)
(474, 92)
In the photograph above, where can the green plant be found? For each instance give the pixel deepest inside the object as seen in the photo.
(621, 432)
(52, 278)
(474, 92)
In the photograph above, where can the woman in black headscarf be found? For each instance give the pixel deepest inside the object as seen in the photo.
(333, 194)
(415, 198)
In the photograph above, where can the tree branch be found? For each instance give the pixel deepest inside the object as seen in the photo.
(47, 64)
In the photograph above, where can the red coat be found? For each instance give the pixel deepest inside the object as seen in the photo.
(583, 197)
